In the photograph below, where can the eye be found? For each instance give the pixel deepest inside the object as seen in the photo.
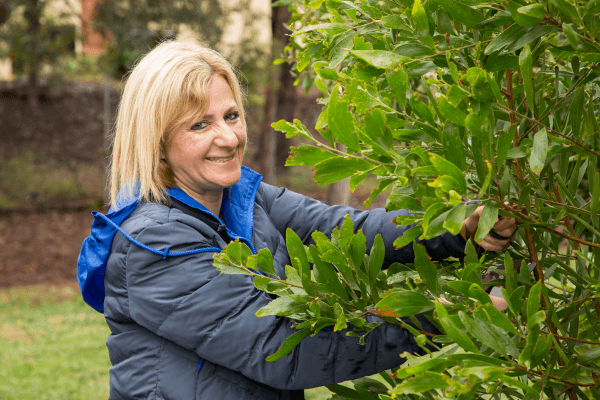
(199, 126)
(232, 117)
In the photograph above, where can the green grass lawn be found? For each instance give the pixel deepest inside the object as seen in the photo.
(52, 346)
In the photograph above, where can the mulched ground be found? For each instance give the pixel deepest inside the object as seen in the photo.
(41, 248)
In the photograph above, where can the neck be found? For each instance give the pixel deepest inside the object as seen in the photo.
(210, 199)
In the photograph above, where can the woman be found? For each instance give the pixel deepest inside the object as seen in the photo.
(179, 329)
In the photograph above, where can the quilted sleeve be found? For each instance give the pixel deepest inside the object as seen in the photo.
(185, 300)
(305, 215)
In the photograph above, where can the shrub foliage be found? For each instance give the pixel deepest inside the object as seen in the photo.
(453, 104)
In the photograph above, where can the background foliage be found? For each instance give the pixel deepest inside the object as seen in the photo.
(453, 104)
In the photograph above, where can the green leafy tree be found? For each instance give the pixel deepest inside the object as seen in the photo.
(453, 104)
(134, 27)
(32, 37)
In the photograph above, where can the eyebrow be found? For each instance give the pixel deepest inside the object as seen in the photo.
(231, 109)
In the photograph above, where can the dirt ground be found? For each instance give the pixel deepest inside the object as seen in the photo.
(41, 248)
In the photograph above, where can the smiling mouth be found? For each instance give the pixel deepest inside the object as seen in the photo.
(220, 159)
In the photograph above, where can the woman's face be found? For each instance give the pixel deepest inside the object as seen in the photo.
(206, 153)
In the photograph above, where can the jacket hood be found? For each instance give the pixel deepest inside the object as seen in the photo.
(238, 214)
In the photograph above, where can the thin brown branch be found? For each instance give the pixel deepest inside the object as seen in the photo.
(569, 338)
(575, 142)
(556, 378)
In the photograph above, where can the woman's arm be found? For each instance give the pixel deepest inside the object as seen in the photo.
(305, 215)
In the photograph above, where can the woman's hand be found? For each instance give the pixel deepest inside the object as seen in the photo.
(500, 236)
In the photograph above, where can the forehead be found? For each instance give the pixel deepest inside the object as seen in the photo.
(219, 93)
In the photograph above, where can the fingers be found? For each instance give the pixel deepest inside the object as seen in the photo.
(490, 243)
(499, 303)
(504, 223)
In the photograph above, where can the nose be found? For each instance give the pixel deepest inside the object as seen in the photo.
(226, 136)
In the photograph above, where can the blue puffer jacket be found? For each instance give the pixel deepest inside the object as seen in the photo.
(181, 330)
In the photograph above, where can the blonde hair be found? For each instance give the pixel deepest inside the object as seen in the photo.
(167, 88)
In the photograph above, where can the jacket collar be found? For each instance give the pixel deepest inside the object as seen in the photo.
(237, 206)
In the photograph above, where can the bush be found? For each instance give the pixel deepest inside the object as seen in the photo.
(454, 104)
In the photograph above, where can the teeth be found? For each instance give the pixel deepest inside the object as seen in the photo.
(220, 159)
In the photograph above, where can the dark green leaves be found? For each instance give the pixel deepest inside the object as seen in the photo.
(404, 303)
(462, 12)
(427, 271)
(289, 344)
(459, 337)
(539, 151)
(380, 58)
(486, 221)
(340, 121)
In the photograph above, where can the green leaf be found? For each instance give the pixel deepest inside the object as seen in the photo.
(539, 151)
(576, 111)
(462, 12)
(427, 271)
(422, 382)
(380, 58)
(307, 155)
(504, 144)
(299, 259)
(536, 318)
(510, 274)
(337, 168)
(383, 184)
(452, 142)
(486, 221)
(332, 27)
(398, 81)
(341, 122)
(265, 261)
(461, 338)
(590, 355)
(404, 303)
(483, 332)
(450, 112)
(486, 181)
(567, 9)
(455, 219)
(376, 257)
(327, 274)
(289, 344)
(408, 236)
(324, 71)
(283, 307)
(420, 17)
(520, 18)
(499, 319)
(456, 95)
(476, 292)
(534, 10)
(533, 302)
(446, 167)
(344, 391)
(571, 35)
(518, 384)
(436, 363)
(291, 129)
(526, 65)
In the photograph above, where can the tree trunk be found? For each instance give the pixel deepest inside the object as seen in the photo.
(286, 93)
(339, 192)
(32, 16)
(280, 103)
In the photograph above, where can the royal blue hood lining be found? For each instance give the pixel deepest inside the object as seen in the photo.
(238, 214)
